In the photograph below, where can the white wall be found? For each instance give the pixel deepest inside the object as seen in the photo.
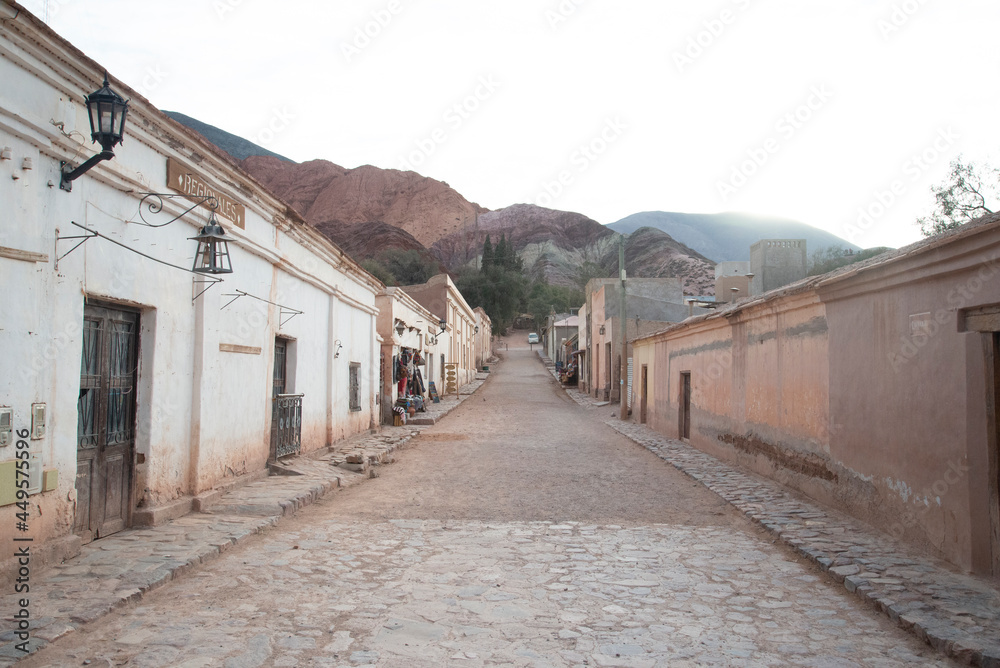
(203, 414)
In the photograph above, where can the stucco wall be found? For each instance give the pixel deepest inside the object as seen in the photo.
(203, 413)
(863, 392)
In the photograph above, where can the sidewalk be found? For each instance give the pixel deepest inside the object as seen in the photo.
(120, 569)
(959, 615)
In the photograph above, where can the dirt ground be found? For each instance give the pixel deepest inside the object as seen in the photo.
(521, 450)
(518, 531)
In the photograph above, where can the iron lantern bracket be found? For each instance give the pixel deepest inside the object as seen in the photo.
(203, 279)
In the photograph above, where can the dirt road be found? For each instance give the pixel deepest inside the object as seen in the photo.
(520, 531)
(521, 450)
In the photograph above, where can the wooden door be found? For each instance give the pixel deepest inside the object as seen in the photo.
(644, 389)
(685, 409)
(106, 421)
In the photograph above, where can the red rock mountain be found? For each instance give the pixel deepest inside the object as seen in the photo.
(327, 194)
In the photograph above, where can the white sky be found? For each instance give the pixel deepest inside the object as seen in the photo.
(294, 77)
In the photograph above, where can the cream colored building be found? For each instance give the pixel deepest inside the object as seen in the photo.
(133, 384)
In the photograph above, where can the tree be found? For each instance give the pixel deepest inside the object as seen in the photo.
(488, 255)
(408, 267)
(967, 193)
(543, 298)
(827, 259)
(379, 271)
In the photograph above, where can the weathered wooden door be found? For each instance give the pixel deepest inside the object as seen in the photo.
(685, 401)
(644, 388)
(106, 421)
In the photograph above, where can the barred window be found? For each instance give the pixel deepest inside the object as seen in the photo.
(355, 386)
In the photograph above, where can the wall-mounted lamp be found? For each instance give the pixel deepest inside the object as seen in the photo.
(476, 330)
(213, 249)
(107, 111)
(400, 327)
(602, 330)
(337, 345)
(443, 324)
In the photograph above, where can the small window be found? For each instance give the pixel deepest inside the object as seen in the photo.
(355, 386)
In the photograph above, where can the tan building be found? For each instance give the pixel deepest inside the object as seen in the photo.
(483, 337)
(871, 389)
(650, 304)
(440, 295)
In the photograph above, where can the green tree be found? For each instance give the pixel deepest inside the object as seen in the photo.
(827, 259)
(408, 267)
(379, 271)
(543, 298)
(488, 255)
(967, 193)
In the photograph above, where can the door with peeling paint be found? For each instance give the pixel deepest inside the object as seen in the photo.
(106, 410)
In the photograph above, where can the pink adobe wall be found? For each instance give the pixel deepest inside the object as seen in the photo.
(864, 393)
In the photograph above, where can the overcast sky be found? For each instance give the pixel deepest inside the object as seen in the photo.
(804, 109)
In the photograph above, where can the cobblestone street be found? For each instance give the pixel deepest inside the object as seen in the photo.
(520, 530)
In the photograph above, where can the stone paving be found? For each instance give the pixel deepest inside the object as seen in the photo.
(957, 614)
(430, 593)
(120, 569)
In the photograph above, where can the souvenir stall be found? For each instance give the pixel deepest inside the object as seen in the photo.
(408, 375)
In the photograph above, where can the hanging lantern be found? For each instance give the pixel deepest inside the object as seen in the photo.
(213, 250)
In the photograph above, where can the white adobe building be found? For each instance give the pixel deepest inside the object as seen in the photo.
(133, 384)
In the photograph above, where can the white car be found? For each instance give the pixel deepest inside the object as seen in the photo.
(532, 338)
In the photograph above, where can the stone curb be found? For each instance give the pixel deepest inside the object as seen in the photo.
(958, 615)
(245, 507)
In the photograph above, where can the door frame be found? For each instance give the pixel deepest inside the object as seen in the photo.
(95, 532)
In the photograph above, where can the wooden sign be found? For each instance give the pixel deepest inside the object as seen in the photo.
(433, 391)
(182, 179)
(451, 378)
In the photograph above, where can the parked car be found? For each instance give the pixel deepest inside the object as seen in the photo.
(532, 338)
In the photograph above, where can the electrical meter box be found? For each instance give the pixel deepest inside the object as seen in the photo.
(6, 426)
(37, 421)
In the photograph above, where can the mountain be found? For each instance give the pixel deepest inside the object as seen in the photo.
(559, 245)
(367, 210)
(238, 147)
(652, 253)
(328, 194)
(728, 236)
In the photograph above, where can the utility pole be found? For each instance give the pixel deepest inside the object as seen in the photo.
(622, 319)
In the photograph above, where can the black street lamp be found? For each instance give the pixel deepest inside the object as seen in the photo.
(107, 111)
(213, 250)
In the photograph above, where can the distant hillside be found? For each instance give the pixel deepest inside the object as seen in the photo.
(561, 247)
(728, 236)
(238, 147)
